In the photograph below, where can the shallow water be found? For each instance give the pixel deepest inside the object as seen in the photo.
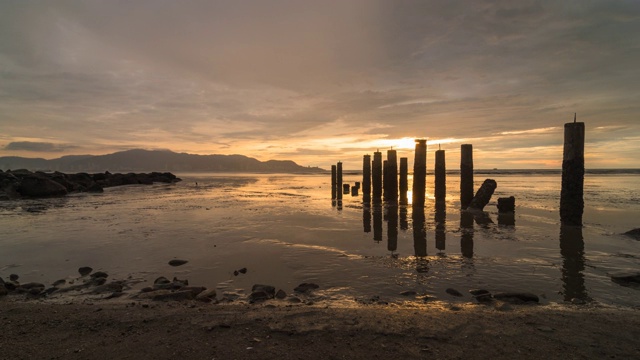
(285, 230)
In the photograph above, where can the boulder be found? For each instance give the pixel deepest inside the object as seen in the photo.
(85, 270)
(626, 278)
(304, 287)
(635, 233)
(268, 289)
(38, 186)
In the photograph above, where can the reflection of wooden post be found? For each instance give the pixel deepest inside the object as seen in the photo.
(572, 251)
(392, 228)
(419, 231)
(466, 237)
(366, 179)
(466, 175)
(440, 220)
(404, 185)
(420, 172)
(339, 180)
(391, 184)
(571, 196)
(333, 181)
(366, 219)
(377, 223)
(440, 175)
(376, 176)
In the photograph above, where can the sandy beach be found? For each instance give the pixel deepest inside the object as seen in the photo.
(271, 330)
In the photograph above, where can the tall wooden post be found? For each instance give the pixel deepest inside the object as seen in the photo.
(339, 180)
(366, 179)
(440, 176)
(391, 179)
(376, 177)
(420, 172)
(333, 181)
(404, 183)
(571, 196)
(466, 175)
(385, 179)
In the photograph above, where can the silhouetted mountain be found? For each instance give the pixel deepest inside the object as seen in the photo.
(148, 160)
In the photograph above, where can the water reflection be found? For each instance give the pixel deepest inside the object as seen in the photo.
(377, 222)
(507, 219)
(572, 251)
(392, 228)
(466, 237)
(419, 231)
(440, 220)
(366, 218)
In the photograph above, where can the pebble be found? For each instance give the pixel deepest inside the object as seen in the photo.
(304, 287)
(99, 274)
(177, 262)
(14, 277)
(281, 294)
(85, 270)
(477, 292)
(453, 292)
(59, 282)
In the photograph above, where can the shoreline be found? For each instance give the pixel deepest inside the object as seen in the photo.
(164, 330)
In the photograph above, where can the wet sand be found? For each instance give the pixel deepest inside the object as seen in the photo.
(270, 330)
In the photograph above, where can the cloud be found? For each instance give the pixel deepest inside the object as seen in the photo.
(38, 146)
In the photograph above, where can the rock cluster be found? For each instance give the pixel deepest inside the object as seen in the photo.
(16, 184)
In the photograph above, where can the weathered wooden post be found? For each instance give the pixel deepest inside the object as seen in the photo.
(571, 196)
(506, 211)
(339, 180)
(392, 228)
(385, 179)
(404, 182)
(391, 186)
(419, 231)
(440, 220)
(366, 179)
(376, 177)
(440, 176)
(466, 175)
(483, 195)
(354, 190)
(345, 188)
(333, 181)
(420, 172)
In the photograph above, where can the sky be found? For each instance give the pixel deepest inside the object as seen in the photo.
(322, 81)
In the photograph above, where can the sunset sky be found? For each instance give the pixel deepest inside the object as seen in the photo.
(322, 81)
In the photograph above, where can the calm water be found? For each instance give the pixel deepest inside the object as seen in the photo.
(286, 231)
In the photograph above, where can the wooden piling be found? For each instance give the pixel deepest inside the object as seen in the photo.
(440, 176)
(571, 196)
(376, 177)
(466, 175)
(366, 178)
(404, 182)
(482, 197)
(420, 172)
(391, 184)
(333, 181)
(339, 180)
(345, 189)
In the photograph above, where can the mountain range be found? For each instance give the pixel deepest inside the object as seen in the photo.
(154, 160)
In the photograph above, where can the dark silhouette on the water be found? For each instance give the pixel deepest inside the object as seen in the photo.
(572, 251)
(571, 196)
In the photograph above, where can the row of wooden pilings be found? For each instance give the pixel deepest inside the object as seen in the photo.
(380, 178)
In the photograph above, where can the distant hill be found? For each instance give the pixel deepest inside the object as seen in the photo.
(154, 160)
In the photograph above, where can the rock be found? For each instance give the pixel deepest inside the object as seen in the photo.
(146, 289)
(111, 287)
(635, 233)
(59, 282)
(577, 301)
(32, 285)
(516, 297)
(161, 280)
(304, 287)
(99, 274)
(177, 262)
(177, 283)
(38, 186)
(207, 295)
(504, 307)
(196, 290)
(507, 205)
(408, 293)
(85, 270)
(268, 289)
(476, 292)
(294, 300)
(257, 296)
(483, 298)
(3, 291)
(281, 294)
(175, 296)
(626, 278)
(14, 277)
(453, 292)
